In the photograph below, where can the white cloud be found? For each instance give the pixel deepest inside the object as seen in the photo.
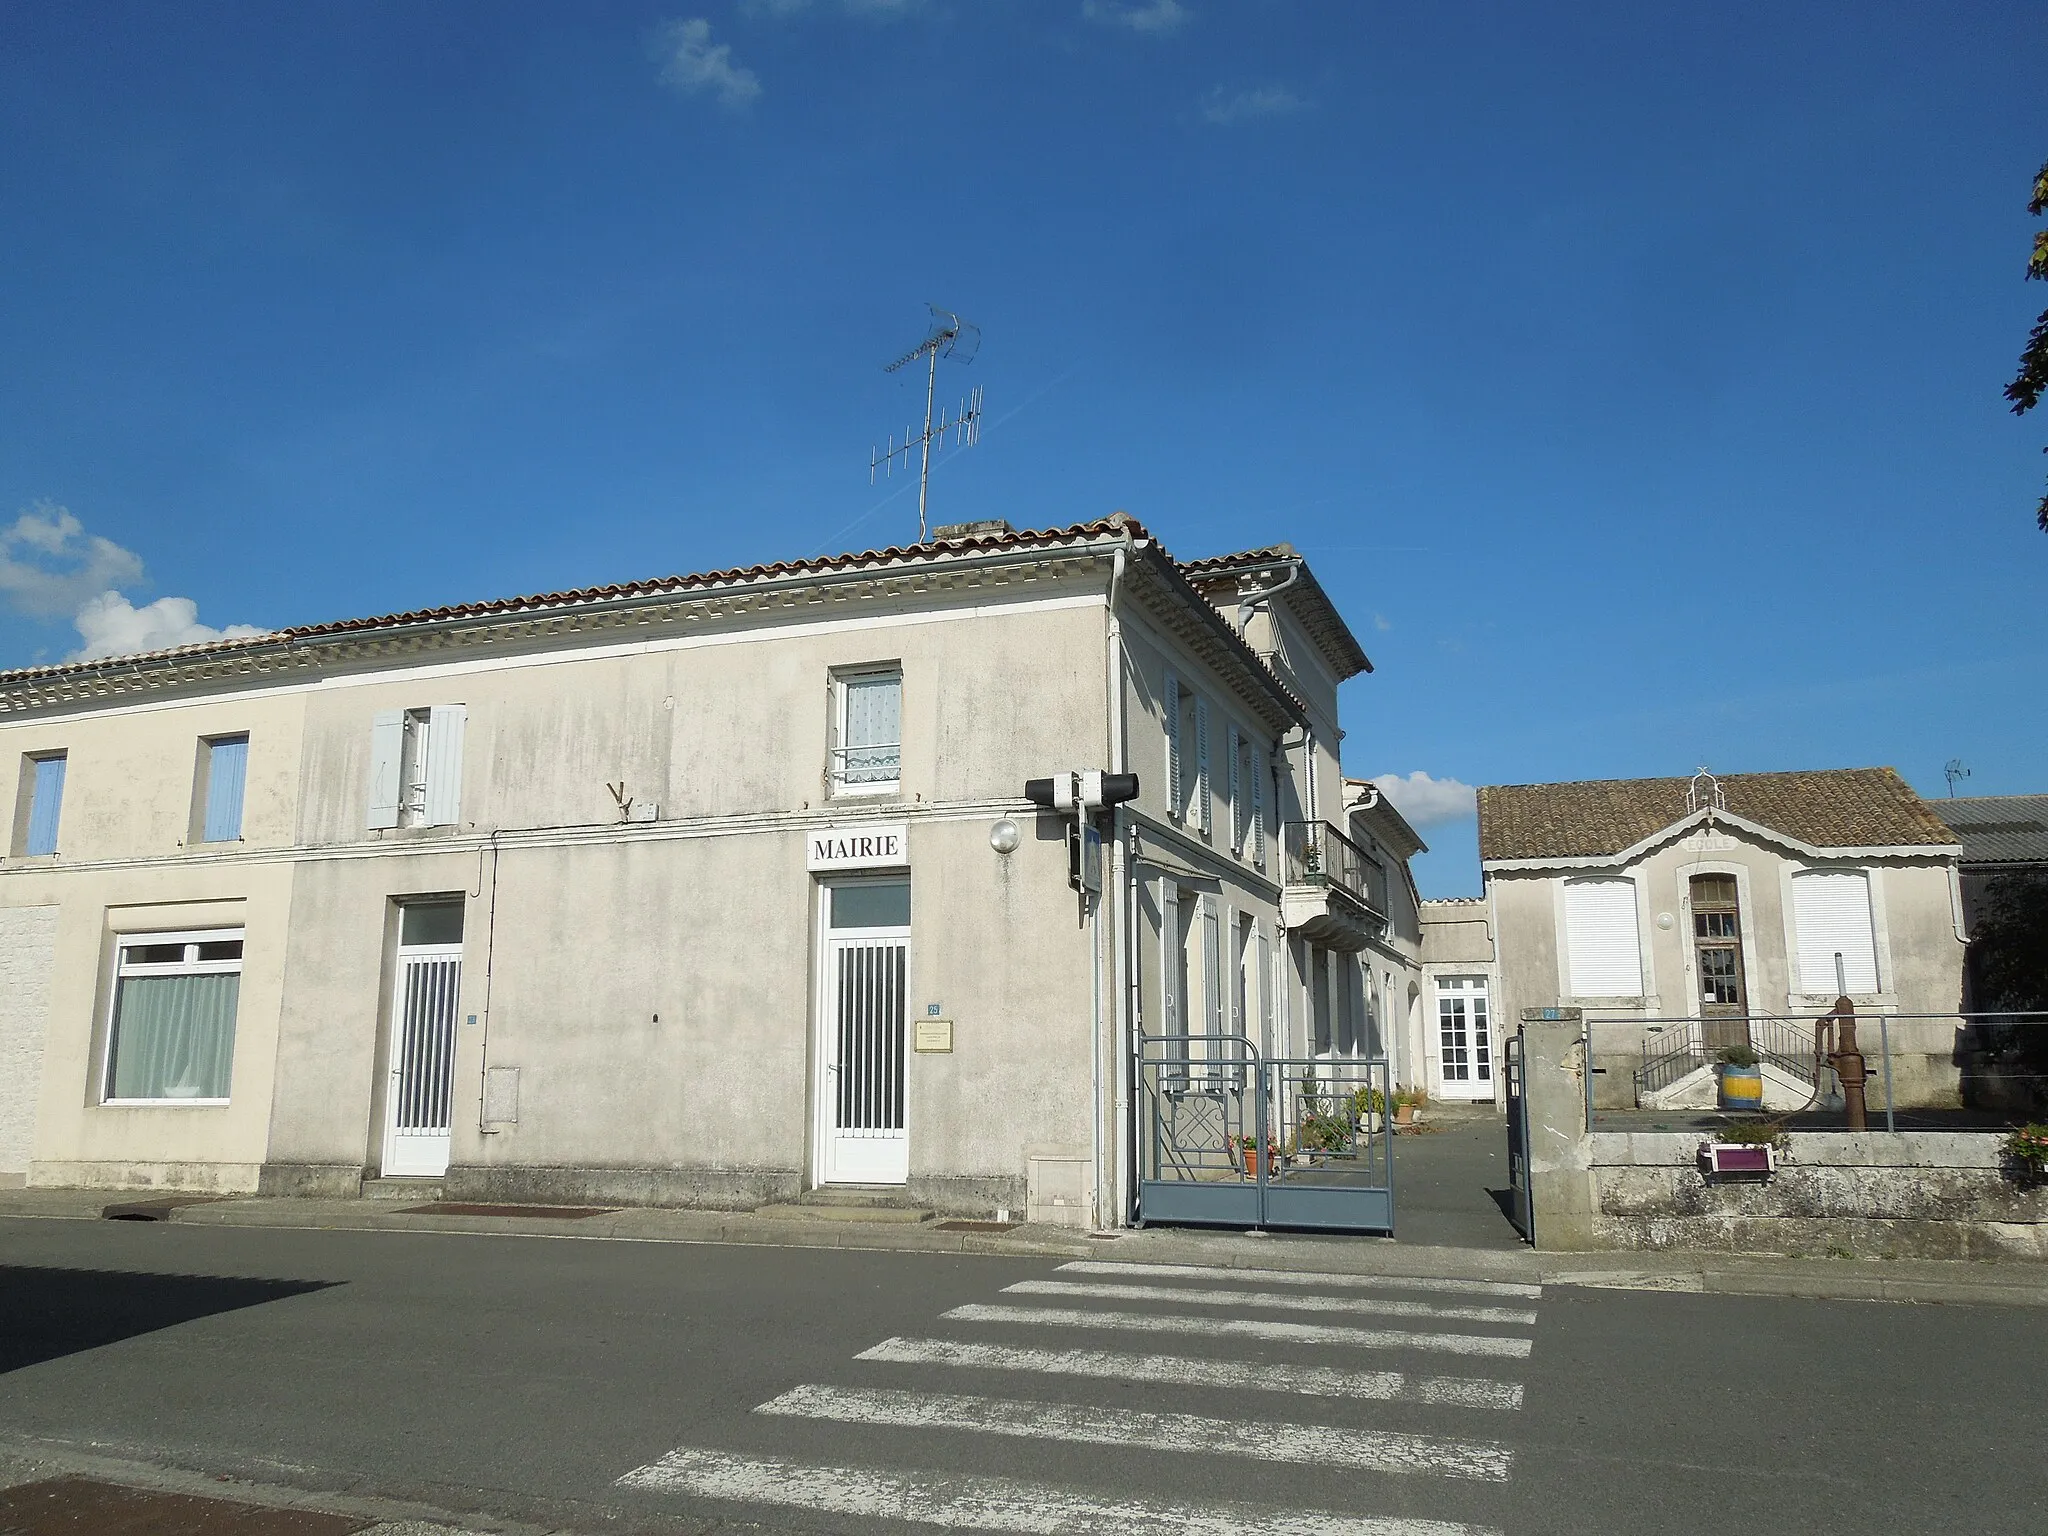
(1226, 107)
(1425, 801)
(694, 65)
(49, 564)
(110, 625)
(1382, 623)
(1155, 16)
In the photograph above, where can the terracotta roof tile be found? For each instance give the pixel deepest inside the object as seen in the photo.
(1826, 808)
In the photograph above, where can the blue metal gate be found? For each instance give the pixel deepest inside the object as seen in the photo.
(1521, 1208)
(1226, 1139)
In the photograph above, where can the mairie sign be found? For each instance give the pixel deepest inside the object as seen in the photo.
(885, 846)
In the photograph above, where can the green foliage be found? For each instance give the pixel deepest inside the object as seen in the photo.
(2029, 1145)
(1752, 1133)
(2009, 945)
(2031, 381)
(1737, 1056)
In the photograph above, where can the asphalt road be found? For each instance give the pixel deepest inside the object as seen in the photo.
(523, 1379)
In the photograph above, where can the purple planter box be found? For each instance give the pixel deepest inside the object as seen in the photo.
(1717, 1158)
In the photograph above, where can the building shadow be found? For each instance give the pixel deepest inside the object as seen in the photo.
(50, 1313)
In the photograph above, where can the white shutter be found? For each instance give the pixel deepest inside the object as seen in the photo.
(1202, 759)
(1236, 795)
(387, 753)
(1831, 914)
(444, 764)
(1172, 958)
(1212, 966)
(1258, 808)
(1264, 977)
(1600, 930)
(1173, 771)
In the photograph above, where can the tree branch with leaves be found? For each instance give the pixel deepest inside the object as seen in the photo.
(2026, 389)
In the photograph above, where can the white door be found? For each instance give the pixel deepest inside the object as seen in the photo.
(1464, 1040)
(420, 1087)
(862, 1012)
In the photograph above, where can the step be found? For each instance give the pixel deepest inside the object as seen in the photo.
(839, 1211)
(850, 1194)
(375, 1188)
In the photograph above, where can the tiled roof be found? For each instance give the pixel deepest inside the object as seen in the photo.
(1312, 604)
(1824, 808)
(542, 602)
(1999, 829)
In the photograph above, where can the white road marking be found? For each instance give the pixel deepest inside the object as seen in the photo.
(1229, 1375)
(1275, 1301)
(992, 1503)
(1247, 1328)
(1366, 1450)
(1304, 1277)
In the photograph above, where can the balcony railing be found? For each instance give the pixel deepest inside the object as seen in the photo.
(867, 769)
(1316, 853)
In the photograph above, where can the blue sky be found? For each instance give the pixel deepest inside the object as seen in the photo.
(1630, 373)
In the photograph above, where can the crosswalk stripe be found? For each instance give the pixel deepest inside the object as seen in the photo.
(1230, 1375)
(992, 1503)
(1305, 1444)
(1307, 1277)
(1275, 1301)
(1247, 1328)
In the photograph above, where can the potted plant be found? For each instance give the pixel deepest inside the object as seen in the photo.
(1368, 1110)
(1406, 1102)
(1744, 1147)
(1739, 1079)
(1247, 1148)
(2026, 1156)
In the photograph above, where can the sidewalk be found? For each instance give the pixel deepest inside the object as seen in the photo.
(2001, 1283)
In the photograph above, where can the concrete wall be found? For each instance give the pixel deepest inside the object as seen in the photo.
(1918, 954)
(1920, 1194)
(28, 952)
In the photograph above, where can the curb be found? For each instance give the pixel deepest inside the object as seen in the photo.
(1955, 1282)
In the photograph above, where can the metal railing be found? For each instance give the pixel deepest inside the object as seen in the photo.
(1316, 853)
(1937, 1071)
(1675, 1055)
(877, 764)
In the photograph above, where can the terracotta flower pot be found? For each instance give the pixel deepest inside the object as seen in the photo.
(1404, 1114)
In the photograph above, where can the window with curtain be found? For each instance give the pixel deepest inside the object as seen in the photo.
(869, 756)
(171, 1038)
(227, 762)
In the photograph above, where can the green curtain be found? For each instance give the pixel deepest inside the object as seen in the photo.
(174, 1036)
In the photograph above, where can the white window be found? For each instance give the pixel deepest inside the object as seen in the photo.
(1605, 949)
(416, 766)
(867, 750)
(1831, 915)
(1176, 795)
(171, 1029)
(1463, 1041)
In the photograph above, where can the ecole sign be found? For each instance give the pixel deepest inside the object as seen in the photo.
(877, 847)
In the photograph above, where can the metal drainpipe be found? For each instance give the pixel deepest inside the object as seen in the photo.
(1113, 677)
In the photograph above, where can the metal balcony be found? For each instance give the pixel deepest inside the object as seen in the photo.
(1332, 891)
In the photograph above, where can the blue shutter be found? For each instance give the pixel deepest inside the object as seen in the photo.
(227, 766)
(46, 803)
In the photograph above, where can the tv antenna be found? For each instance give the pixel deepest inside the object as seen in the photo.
(950, 337)
(1955, 769)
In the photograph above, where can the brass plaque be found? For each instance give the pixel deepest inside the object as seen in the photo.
(932, 1035)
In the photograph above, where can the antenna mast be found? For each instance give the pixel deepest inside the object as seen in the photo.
(950, 337)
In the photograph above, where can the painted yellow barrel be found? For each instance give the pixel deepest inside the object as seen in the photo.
(1742, 1088)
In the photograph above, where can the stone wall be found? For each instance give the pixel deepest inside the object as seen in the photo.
(28, 946)
(1910, 1194)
